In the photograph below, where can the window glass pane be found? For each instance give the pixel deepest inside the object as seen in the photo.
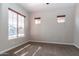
(12, 24)
(20, 25)
(37, 21)
(60, 19)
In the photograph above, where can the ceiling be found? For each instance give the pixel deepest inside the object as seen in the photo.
(33, 7)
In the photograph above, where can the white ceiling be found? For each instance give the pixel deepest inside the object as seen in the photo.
(33, 7)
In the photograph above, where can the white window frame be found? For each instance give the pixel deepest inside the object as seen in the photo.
(17, 35)
(61, 19)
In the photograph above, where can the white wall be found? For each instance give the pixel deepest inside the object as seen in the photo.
(49, 30)
(0, 21)
(76, 30)
(4, 42)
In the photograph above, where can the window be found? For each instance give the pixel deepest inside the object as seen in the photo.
(15, 24)
(61, 18)
(20, 25)
(37, 20)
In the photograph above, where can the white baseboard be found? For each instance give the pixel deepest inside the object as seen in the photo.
(54, 42)
(76, 45)
(13, 47)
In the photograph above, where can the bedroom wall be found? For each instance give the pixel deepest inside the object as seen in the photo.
(76, 27)
(49, 30)
(0, 21)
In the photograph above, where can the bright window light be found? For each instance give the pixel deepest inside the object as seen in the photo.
(61, 19)
(15, 24)
(37, 21)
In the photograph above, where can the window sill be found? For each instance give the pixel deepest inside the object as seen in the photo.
(12, 37)
(15, 37)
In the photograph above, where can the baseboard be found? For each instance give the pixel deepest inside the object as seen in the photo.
(53, 42)
(76, 45)
(13, 47)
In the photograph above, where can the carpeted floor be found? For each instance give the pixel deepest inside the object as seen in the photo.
(44, 49)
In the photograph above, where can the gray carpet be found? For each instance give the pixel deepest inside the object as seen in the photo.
(43, 49)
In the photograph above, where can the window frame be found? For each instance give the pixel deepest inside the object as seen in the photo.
(37, 20)
(61, 20)
(9, 9)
